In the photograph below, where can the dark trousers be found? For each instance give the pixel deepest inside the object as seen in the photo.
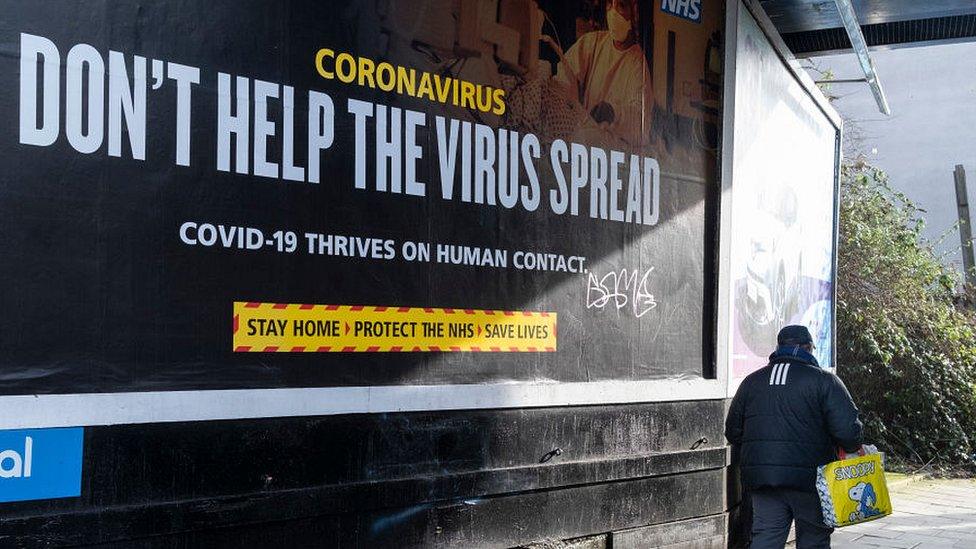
(774, 509)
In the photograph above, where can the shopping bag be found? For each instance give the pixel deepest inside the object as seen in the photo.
(853, 490)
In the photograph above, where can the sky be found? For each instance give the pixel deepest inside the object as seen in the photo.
(932, 127)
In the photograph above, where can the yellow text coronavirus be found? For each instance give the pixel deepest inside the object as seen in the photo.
(363, 71)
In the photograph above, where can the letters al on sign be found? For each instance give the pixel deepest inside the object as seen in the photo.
(40, 463)
(685, 9)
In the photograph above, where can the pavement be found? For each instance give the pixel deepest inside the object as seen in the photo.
(936, 513)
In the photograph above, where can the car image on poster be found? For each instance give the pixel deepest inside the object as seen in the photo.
(783, 208)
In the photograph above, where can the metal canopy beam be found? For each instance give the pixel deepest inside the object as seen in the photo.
(853, 28)
(814, 27)
(797, 16)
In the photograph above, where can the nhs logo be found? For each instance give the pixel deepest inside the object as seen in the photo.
(685, 9)
(40, 463)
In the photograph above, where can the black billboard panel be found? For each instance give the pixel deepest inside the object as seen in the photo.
(229, 195)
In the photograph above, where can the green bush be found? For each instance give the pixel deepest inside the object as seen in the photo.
(904, 350)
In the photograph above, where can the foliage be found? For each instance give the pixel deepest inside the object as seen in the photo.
(907, 354)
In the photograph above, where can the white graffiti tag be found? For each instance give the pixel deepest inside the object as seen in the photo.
(619, 289)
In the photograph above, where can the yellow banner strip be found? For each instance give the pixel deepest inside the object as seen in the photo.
(304, 328)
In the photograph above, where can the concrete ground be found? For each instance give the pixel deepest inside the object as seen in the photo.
(928, 513)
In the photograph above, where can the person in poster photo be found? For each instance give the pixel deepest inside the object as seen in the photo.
(606, 72)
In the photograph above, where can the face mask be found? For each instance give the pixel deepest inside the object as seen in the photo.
(619, 27)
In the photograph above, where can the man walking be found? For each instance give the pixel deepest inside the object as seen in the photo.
(786, 420)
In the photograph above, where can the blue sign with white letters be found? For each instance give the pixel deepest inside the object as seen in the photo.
(40, 463)
(685, 9)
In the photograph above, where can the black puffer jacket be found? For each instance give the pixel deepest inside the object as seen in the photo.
(787, 419)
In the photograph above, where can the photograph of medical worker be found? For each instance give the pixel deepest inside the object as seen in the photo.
(607, 72)
(639, 77)
(629, 75)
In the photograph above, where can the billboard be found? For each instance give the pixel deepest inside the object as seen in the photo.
(783, 206)
(289, 195)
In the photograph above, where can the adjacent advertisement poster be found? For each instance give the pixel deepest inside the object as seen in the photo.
(783, 204)
(252, 194)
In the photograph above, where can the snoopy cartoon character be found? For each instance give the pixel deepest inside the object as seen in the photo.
(863, 494)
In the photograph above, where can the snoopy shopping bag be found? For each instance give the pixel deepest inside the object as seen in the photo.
(853, 490)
